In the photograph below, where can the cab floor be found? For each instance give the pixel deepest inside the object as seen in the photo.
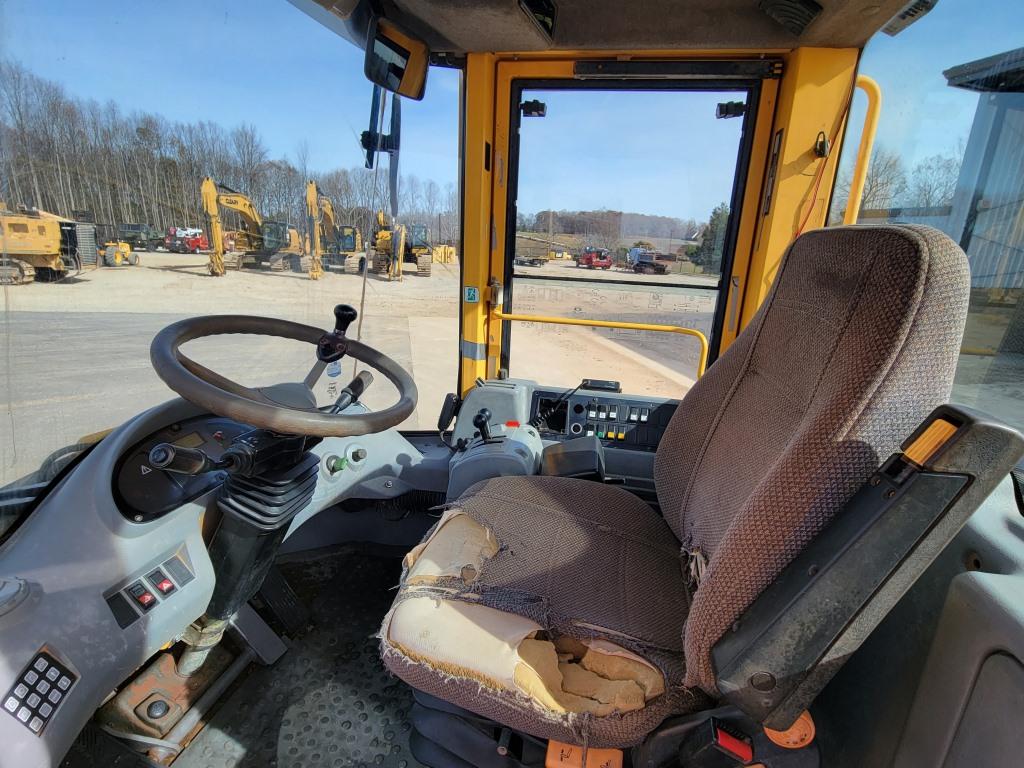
(328, 701)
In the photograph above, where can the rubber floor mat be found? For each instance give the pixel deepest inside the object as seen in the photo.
(328, 701)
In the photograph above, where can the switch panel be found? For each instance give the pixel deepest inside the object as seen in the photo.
(39, 691)
(620, 421)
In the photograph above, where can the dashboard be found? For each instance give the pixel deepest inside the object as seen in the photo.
(143, 493)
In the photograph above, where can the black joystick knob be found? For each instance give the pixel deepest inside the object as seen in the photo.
(344, 316)
(482, 421)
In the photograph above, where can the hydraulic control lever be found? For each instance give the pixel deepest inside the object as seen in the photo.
(183, 461)
(482, 421)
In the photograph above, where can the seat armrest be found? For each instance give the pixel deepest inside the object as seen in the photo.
(798, 633)
(581, 457)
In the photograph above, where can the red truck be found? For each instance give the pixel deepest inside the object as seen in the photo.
(594, 258)
(186, 240)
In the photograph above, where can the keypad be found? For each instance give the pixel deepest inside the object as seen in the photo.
(36, 695)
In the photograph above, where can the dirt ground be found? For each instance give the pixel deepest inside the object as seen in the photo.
(75, 354)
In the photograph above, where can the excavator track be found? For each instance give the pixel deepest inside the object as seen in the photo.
(423, 264)
(379, 264)
(352, 263)
(16, 272)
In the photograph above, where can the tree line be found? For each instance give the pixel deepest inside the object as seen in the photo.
(605, 229)
(78, 158)
(929, 184)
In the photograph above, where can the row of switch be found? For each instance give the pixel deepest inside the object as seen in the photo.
(143, 592)
(38, 692)
(611, 413)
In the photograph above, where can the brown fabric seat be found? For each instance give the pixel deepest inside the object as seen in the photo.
(855, 344)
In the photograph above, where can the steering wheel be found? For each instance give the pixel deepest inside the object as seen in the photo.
(290, 409)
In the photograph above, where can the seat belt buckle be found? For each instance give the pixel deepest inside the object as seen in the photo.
(562, 755)
(716, 744)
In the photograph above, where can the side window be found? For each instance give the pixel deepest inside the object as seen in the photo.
(949, 153)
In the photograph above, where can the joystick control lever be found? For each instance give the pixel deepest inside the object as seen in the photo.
(482, 421)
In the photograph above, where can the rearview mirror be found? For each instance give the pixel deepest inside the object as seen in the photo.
(396, 61)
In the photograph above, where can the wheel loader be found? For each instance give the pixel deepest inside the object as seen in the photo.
(808, 555)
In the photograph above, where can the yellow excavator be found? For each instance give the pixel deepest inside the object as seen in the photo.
(411, 242)
(36, 242)
(331, 244)
(259, 242)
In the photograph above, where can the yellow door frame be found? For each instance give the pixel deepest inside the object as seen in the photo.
(812, 97)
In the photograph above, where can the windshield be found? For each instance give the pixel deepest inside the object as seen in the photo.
(122, 144)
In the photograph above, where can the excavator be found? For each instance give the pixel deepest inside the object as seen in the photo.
(410, 241)
(34, 242)
(274, 243)
(331, 244)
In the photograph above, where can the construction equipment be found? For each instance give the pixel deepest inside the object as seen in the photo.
(331, 244)
(645, 262)
(119, 253)
(34, 242)
(271, 243)
(141, 237)
(412, 244)
(594, 258)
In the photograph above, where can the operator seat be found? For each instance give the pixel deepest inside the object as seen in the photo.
(571, 610)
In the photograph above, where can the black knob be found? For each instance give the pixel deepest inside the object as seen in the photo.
(482, 421)
(344, 316)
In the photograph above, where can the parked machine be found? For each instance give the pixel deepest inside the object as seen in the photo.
(118, 254)
(594, 258)
(185, 240)
(331, 244)
(275, 244)
(141, 237)
(645, 262)
(36, 243)
(411, 242)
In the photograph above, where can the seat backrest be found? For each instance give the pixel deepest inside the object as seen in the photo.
(855, 344)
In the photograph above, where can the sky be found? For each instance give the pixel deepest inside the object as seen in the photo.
(267, 63)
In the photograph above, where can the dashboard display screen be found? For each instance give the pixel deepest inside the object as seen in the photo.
(191, 440)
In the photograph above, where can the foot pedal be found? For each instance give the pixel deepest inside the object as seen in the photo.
(95, 747)
(283, 604)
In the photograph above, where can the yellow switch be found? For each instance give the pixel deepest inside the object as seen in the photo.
(622, 435)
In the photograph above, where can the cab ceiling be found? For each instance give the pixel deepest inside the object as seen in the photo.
(462, 26)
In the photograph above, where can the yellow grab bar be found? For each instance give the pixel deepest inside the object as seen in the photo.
(701, 363)
(867, 142)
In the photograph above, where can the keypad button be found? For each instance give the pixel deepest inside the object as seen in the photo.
(41, 664)
(11, 705)
(33, 700)
(36, 724)
(24, 714)
(43, 687)
(54, 696)
(31, 677)
(64, 683)
(21, 691)
(45, 710)
(53, 673)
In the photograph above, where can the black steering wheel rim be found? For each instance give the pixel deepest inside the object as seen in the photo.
(224, 397)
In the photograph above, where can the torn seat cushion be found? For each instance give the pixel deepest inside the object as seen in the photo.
(550, 604)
